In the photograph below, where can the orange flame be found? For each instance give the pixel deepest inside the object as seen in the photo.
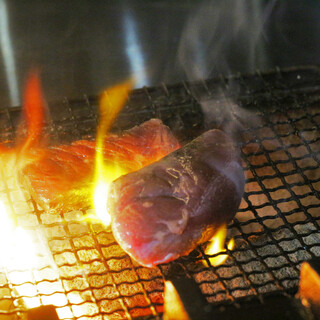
(111, 102)
(33, 110)
(33, 114)
(216, 245)
(18, 249)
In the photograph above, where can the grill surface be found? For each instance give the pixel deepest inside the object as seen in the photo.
(86, 274)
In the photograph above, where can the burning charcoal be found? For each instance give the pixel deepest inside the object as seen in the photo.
(309, 288)
(184, 301)
(61, 177)
(166, 209)
(43, 313)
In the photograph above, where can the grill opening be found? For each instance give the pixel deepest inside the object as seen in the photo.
(86, 275)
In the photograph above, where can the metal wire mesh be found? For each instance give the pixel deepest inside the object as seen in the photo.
(81, 269)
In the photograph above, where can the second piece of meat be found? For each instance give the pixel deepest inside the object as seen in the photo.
(60, 178)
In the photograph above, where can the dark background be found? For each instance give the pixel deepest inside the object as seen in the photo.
(82, 47)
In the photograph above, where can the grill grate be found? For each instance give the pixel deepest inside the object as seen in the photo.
(86, 274)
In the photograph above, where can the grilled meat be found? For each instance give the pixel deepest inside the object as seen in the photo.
(164, 210)
(61, 177)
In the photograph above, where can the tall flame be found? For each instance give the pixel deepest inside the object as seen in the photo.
(34, 111)
(216, 245)
(34, 116)
(111, 102)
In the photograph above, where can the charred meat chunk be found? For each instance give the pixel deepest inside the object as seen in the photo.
(164, 210)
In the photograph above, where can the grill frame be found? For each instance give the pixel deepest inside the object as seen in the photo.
(267, 96)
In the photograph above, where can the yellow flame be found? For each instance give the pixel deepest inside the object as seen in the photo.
(173, 306)
(106, 174)
(111, 102)
(216, 245)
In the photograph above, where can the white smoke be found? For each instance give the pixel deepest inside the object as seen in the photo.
(224, 35)
(221, 37)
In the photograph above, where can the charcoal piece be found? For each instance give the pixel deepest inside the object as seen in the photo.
(43, 313)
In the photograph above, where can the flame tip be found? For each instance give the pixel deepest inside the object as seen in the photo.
(112, 101)
(216, 247)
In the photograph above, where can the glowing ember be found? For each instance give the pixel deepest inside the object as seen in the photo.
(111, 102)
(18, 249)
(216, 245)
(22, 252)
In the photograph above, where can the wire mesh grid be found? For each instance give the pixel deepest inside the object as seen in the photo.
(79, 267)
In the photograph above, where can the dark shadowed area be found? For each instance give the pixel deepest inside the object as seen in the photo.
(85, 46)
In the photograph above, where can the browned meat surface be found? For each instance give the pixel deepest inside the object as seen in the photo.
(166, 209)
(61, 177)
